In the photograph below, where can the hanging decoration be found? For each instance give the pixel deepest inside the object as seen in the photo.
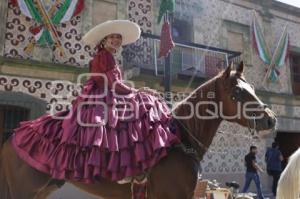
(45, 32)
(279, 58)
(280, 54)
(166, 40)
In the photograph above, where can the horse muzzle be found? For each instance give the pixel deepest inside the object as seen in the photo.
(267, 122)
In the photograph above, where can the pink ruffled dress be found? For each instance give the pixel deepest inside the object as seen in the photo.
(113, 131)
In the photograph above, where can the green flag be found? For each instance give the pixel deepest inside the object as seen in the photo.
(165, 6)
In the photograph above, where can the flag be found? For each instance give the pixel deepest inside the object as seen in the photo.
(279, 57)
(166, 41)
(165, 6)
(65, 11)
(259, 41)
(281, 54)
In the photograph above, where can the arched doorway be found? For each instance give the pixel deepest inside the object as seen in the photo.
(288, 144)
(16, 107)
(10, 117)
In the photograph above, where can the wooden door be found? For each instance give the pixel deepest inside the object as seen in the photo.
(288, 143)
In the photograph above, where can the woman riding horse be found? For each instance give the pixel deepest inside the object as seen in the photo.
(124, 145)
(113, 131)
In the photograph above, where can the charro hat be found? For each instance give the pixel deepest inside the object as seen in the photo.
(130, 32)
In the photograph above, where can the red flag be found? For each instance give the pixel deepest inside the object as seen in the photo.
(166, 41)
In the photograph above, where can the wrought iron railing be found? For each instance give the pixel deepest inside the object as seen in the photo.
(186, 58)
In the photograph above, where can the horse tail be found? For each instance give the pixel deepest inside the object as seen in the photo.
(289, 182)
(4, 189)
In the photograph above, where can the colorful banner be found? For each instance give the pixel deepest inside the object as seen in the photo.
(280, 54)
(279, 57)
(259, 41)
(60, 12)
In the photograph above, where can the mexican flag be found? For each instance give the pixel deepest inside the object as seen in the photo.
(64, 11)
(259, 41)
(280, 56)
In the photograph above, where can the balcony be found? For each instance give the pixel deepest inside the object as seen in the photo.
(187, 59)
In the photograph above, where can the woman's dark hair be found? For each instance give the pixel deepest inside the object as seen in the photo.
(98, 47)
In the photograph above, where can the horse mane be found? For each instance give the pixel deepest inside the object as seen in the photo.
(289, 182)
(203, 87)
(203, 130)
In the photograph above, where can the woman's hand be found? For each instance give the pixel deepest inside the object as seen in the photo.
(150, 91)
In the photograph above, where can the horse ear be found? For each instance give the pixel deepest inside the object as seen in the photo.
(227, 71)
(240, 68)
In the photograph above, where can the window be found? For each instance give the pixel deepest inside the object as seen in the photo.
(295, 73)
(235, 41)
(10, 117)
(182, 30)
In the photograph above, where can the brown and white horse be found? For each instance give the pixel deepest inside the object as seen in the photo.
(227, 96)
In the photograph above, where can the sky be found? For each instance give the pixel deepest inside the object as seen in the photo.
(291, 2)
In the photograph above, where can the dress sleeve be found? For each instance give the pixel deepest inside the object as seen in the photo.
(104, 62)
(115, 82)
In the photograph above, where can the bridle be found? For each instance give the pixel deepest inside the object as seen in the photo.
(235, 97)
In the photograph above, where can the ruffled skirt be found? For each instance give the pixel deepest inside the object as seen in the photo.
(102, 136)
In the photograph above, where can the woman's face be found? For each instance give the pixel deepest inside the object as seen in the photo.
(113, 42)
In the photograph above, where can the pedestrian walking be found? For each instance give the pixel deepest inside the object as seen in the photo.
(274, 160)
(252, 172)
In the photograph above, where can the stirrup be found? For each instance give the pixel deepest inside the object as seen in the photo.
(139, 187)
(125, 180)
(136, 179)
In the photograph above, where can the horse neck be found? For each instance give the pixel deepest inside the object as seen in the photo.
(202, 129)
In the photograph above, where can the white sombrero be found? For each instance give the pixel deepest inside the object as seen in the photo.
(130, 32)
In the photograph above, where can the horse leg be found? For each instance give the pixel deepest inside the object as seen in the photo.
(174, 177)
(4, 189)
(106, 189)
(24, 182)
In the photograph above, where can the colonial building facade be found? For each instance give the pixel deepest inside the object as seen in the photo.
(35, 78)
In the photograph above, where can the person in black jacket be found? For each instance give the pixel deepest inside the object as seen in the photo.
(252, 172)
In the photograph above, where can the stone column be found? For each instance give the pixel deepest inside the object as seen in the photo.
(3, 15)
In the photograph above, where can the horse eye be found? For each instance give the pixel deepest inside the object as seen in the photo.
(238, 89)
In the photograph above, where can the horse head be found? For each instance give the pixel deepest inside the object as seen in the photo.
(228, 96)
(239, 102)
